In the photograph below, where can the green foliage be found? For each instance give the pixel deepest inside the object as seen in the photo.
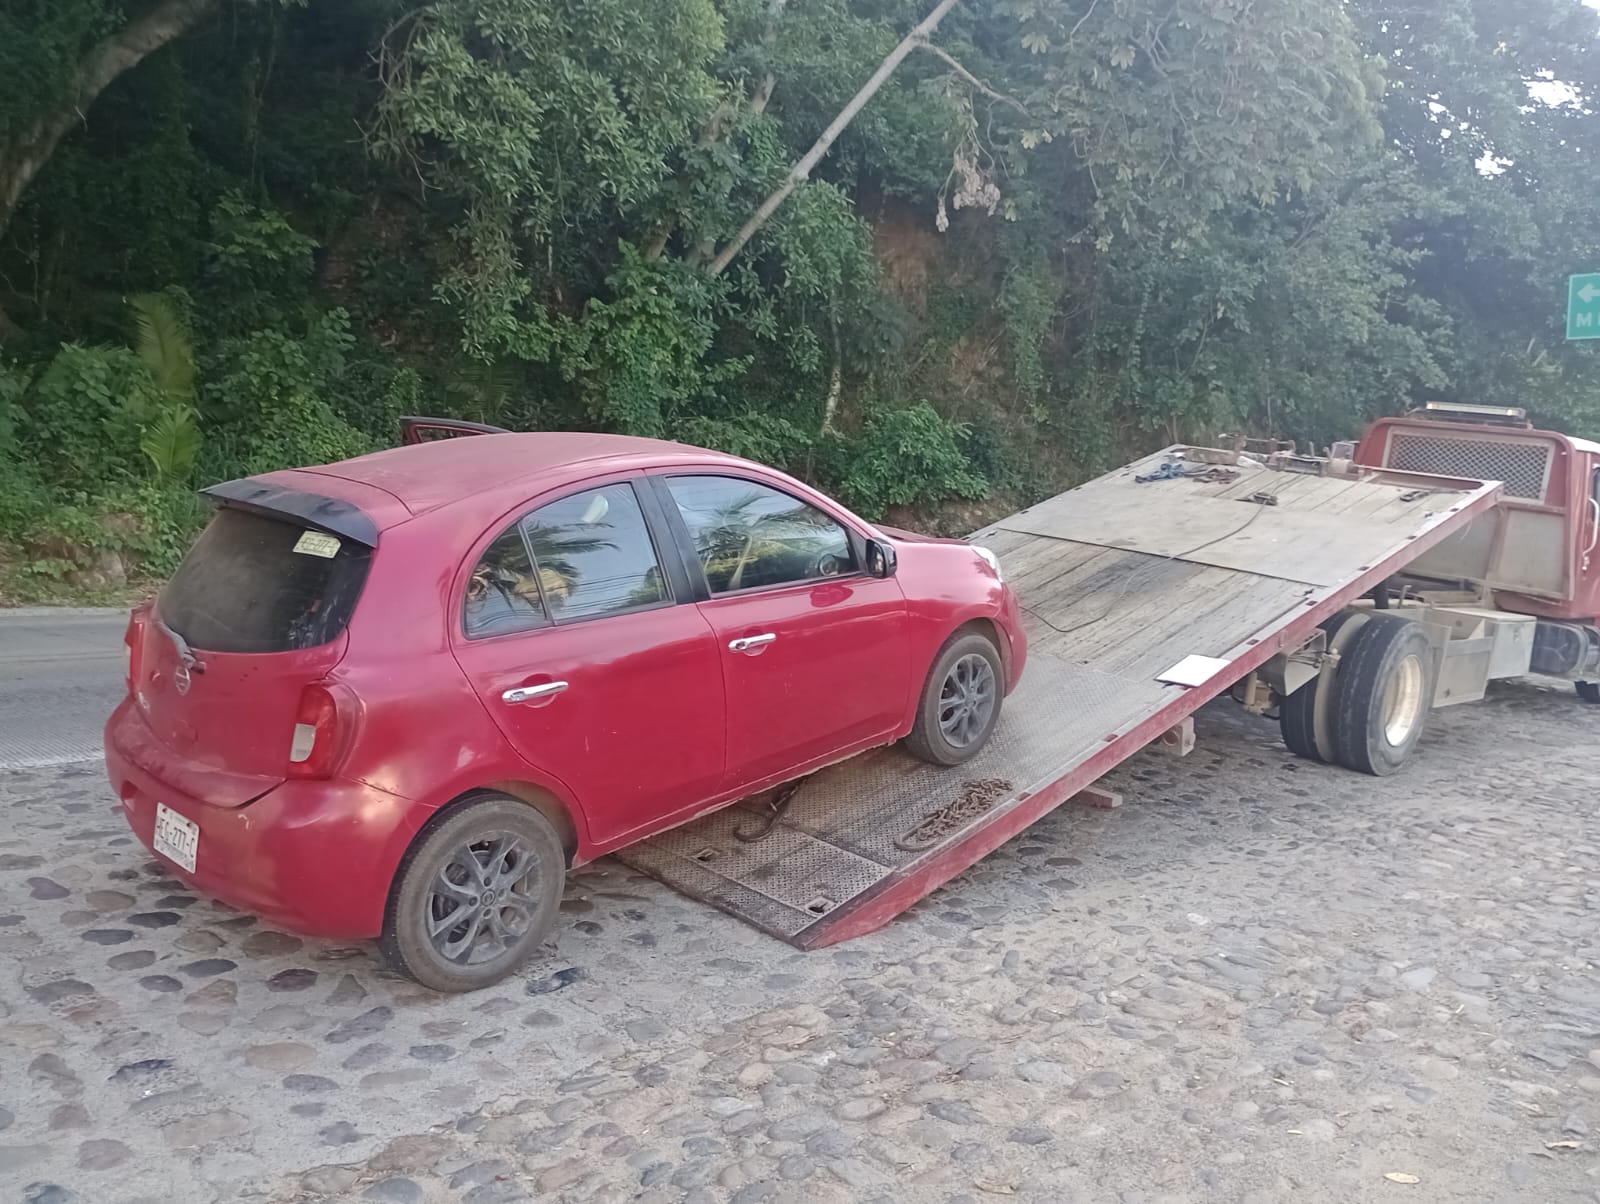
(480, 388)
(1151, 222)
(906, 457)
(257, 261)
(172, 444)
(541, 120)
(40, 44)
(273, 396)
(163, 346)
(170, 436)
(762, 437)
(1173, 112)
(80, 415)
(1029, 296)
(643, 359)
(13, 385)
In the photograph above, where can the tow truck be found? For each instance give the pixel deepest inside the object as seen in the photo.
(1349, 594)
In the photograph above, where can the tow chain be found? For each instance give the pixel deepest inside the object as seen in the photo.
(975, 799)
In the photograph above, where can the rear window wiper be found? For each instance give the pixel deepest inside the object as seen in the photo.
(185, 653)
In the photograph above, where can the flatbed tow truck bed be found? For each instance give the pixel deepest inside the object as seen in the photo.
(1120, 580)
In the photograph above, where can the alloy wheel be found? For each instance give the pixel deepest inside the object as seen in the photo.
(482, 900)
(967, 700)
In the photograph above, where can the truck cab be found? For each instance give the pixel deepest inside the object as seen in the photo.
(1537, 553)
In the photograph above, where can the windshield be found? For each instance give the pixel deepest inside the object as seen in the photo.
(253, 583)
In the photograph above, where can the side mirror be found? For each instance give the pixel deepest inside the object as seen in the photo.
(882, 560)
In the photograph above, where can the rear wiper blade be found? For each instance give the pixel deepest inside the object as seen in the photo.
(185, 653)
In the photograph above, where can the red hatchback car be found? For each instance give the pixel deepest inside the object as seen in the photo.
(398, 697)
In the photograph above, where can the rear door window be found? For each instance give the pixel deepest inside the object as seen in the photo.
(584, 557)
(594, 555)
(255, 583)
(503, 592)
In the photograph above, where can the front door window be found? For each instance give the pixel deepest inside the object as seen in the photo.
(749, 536)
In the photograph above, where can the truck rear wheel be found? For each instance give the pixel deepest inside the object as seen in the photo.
(1304, 716)
(1589, 691)
(1385, 693)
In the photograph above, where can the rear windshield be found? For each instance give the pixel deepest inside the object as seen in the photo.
(257, 584)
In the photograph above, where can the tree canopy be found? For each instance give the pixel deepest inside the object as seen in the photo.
(241, 234)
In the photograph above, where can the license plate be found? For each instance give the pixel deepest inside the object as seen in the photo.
(177, 839)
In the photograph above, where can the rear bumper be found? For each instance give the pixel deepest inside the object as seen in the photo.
(313, 857)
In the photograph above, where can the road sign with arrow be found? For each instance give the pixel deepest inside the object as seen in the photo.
(1583, 306)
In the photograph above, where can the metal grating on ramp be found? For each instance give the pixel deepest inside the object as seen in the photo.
(848, 828)
(1060, 713)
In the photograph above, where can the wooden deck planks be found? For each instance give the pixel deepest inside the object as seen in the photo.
(1320, 532)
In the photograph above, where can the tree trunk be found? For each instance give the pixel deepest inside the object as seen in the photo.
(801, 171)
(21, 159)
(830, 404)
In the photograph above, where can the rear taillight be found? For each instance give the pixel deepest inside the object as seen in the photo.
(134, 639)
(319, 734)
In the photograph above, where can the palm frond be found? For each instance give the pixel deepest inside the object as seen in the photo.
(172, 443)
(163, 344)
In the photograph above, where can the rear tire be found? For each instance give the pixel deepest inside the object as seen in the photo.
(960, 702)
(1589, 691)
(1385, 695)
(476, 895)
(1298, 713)
(1297, 722)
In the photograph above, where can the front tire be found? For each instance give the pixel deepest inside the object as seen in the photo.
(1385, 695)
(476, 895)
(960, 702)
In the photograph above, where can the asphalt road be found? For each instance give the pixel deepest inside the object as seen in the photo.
(60, 674)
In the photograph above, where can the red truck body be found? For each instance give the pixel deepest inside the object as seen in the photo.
(1540, 548)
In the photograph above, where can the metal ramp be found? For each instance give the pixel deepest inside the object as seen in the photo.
(1120, 581)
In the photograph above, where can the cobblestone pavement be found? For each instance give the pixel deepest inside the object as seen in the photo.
(1260, 980)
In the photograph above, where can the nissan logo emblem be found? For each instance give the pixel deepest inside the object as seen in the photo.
(181, 679)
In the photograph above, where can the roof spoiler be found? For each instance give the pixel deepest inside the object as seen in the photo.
(275, 501)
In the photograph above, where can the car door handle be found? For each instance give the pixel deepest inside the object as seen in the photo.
(751, 643)
(546, 690)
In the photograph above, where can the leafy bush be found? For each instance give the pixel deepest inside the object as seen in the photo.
(644, 358)
(760, 437)
(257, 263)
(81, 416)
(904, 457)
(267, 398)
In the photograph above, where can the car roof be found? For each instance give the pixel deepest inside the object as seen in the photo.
(425, 476)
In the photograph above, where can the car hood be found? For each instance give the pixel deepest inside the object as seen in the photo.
(901, 536)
